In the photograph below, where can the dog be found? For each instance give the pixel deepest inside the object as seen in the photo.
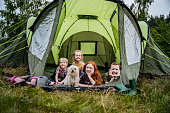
(72, 77)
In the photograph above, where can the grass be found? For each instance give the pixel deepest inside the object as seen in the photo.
(154, 97)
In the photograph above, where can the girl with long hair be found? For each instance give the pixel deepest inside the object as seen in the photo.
(90, 75)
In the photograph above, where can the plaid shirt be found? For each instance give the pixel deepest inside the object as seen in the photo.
(84, 78)
(61, 73)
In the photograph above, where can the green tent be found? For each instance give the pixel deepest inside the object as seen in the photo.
(153, 60)
(101, 29)
(105, 31)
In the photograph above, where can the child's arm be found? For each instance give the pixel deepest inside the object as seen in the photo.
(91, 79)
(105, 78)
(56, 78)
(63, 80)
(84, 85)
(112, 79)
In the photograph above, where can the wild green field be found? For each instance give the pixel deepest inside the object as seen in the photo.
(154, 97)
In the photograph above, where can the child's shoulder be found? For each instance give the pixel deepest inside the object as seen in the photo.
(107, 74)
(73, 63)
(82, 62)
(58, 68)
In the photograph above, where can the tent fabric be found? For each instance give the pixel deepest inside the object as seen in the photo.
(123, 74)
(145, 33)
(85, 26)
(73, 24)
(30, 21)
(92, 48)
(15, 54)
(154, 60)
(132, 42)
(127, 71)
(103, 51)
(114, 24)
(82, 7)
(40, 38)
(37, 65)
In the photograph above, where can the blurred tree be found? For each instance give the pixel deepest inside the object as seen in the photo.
(160, 25)
(16, 11)
(140, 8)
(160, 31)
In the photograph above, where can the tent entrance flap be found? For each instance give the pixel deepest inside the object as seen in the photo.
(94, 46)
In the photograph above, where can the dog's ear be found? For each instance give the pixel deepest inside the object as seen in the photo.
(77, 68)
(69, 69)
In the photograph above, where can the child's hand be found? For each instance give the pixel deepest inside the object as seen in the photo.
(90, 85)
(89, 73)
(58, 83)
(52, 83)
(110, 72)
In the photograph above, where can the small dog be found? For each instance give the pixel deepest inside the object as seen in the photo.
(72, 79)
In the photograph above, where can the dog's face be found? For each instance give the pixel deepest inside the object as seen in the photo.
(73, 70)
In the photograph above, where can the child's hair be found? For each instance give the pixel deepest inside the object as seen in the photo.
(96, 71)
(78, 51)
(115, 63)
(64, 59)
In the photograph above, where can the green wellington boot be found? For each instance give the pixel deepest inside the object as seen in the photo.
(133, 90)
(121, 87)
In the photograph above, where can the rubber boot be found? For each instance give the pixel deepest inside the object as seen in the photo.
(133, 87)
(121, 87)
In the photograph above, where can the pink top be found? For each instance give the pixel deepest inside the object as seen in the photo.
(12, 79)
(34, 78)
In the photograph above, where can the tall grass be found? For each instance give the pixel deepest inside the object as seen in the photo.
(154, 96)
(20, 71)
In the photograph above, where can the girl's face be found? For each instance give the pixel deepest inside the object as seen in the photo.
(89, 69)
(114, 70)
(63, 64)
(77, 56)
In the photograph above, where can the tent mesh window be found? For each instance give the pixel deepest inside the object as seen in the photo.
(132, 42)
(91, 48)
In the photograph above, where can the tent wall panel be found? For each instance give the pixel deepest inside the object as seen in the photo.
(37, 67)
(83, 7)
(103, 48)
(155, 62)
(145, 31)
(128, 71)
(123, 74)
(82, 25)
(15, 54)
(61, 20)
(30, 21)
